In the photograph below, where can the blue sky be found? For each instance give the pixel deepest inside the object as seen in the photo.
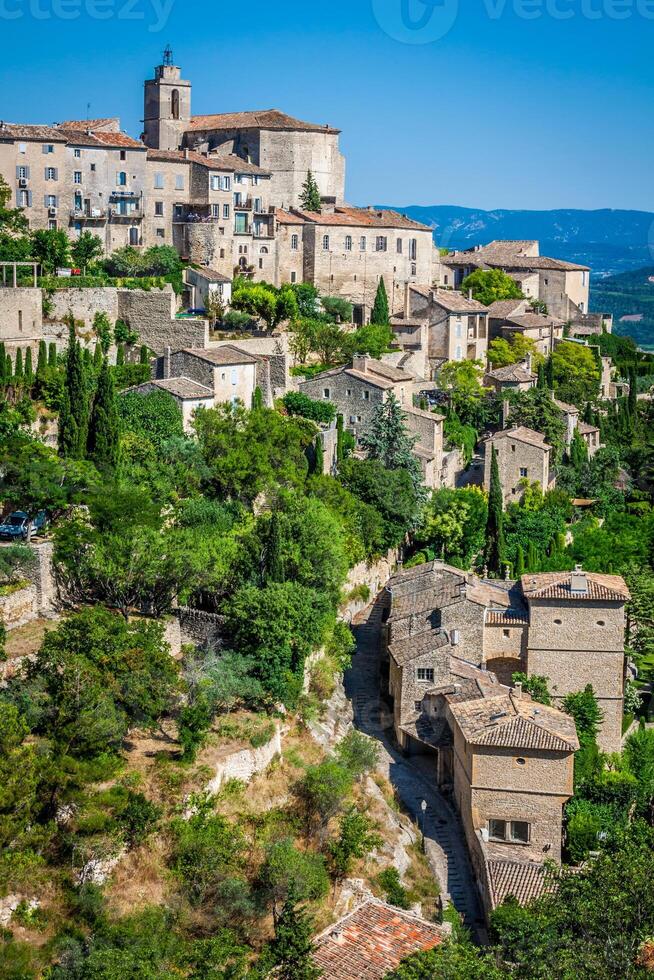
(517, 105)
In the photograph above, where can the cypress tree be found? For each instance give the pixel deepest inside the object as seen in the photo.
(42, 360)
(542, 377)
(380, 314)
(73, 419)
(318, 458)
(257, 399)
(292, 948)
(9, 369)
(339, 439)
(519, 568)
(310, 196)
(104, 430)
(52, 355)
(633, 391)
(18, 370)
(549, 373)
(494, 549)
(98, 358)
(144, 355)
(3, 364)
(29, 370)
(86, 357)
(120, 355)
(588, 414)
(578, 452)
(533, 562)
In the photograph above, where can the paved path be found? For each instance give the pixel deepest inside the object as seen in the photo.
(413, 779)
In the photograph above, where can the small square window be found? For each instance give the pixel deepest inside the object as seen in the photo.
(507, 634)
(418, 705)
(520, 831)
(524, 472)
(349, 392)
(77, 154)
(123, 155)
(161, 233)
(497, 829)
(426, 674)
(366, 396)
(326, 393)
(158, 208)
(93, 167)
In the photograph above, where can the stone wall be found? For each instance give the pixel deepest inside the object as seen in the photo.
(152, 315)
(199, 627)
(19, 608)
(374, 576)
(21, 316)
(84, 304)
(247, 763)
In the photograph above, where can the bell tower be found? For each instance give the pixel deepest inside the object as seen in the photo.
(167, 106)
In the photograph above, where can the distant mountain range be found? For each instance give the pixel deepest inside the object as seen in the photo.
(608, 241)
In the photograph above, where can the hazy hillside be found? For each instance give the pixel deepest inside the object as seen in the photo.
(630, 294)
(608, 241)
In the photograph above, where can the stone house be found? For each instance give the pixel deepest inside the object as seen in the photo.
(188, 395)
(513, 377)
(458, 326)
(522, 455)
(345, 251)
(207, 284)
(563, 286)
(589, 433)
(227, 371)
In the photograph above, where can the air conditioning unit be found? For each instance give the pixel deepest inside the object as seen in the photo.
(52, 212)
(22, 181)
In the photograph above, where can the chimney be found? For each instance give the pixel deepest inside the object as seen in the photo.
(360, 362)
(470, 294)
(579, 581)
(517, 691)
(186, 153)
(167, 362)
(506, 411)
(530, 363)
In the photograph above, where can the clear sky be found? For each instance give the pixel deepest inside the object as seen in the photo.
(482, 103)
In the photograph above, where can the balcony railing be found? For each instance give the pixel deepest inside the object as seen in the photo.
(117, 215)
(94, 214)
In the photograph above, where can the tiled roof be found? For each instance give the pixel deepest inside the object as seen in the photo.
(456, 302)
(532, 321)
(211, 275)
(585, 429)
(261, 119)
(507, 617)
(216, 161)
(102, 138)
(288, 217)
(345, 216)
(566, 408)
(430, 594)
(558, 585)
(386, 370)
(226, 355)
(184, 388)
(522, 434)
(512, 372)
(525, 881)
(503, 308)
(19, 131)
(410, 648)
(508, 721)
(108, 125)
(510, 255)
(372, 941)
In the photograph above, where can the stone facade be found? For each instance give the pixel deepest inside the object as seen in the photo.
(19, 607)
(522, 455)
(458, 326)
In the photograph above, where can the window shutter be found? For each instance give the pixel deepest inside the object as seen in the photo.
(45, 200)
(44, 148)
(27, 172)
(56, 174)
(45, 173)
(18, 169)
(29, 199)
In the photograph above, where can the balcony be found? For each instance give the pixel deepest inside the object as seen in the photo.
(120, 216)
(245, 204)
(122, 194)
(94, 214)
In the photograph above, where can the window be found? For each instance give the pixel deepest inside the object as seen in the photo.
(241, 224)
(51, 200)
(258, 205)
(234, 375)
(225, 210)
(50, 173)
(21, 173)
(507, 634)
(123, 155)
(349, 392)
(215, 210)
(238, 178)
(227, 183)
(77, 177)
(426, 674)
(121, 179)
(22, 147)
(325, 243)
(600, 622)
(161, 233)
(459, 354)
(293, 277)
(238, 199)
(295, 241)
(214, 182)
(399, 246)
(261, 263)
(179, 211)
(255, 180)
(417, 705)
(348, 243)
(158, 181)
(222, 253)
(524, 472)
(92, 168)
(413, 249)
(365, 395)
(52, 225)
(512, 831)
(362, 244)
(459, 330)
(558, 622)
(382, 244)
(158, 208)
(24, 199)
(77, 154)
(521, 762)
(174, 104)
(48, 148)
(326, 393)
(179, 182)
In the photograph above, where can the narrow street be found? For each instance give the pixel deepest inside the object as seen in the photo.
(411, 777)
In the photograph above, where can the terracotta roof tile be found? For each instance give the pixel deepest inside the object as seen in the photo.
(372, 941)
(502, 308)
(258, 119)
(410, 648)
(525, 881)
(226, 354)
(507, 617)
(109, 124)
(101, 138)
(508, 721)
(20, 131)
(558, 585)
(512, 372)
(522, 434)
(214, 161)
(183, 388)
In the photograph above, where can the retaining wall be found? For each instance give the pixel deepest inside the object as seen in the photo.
(247, 763)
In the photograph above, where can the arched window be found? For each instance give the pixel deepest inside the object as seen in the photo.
(263, 250)
(174, 104)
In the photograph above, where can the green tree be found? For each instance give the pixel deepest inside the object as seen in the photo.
(575, 373)
(103, 445)
(328, 341)
(390, 492)
(463, 381)
(387, 440)
(155, 417)
(380, 315)
(578, 452)
(51, 249)
(18, 369)
(310, 195)
(86, 249)
(12, 220)
(41, 362)
(535, 685)
(358, 753)
(102, 330)
(354, 842)
(289, 871)
(52, 355)
(519, 567)
(494, 548)
(73, 419)
(291, 951)
(28, 370)
(490, 285)
(324, 789)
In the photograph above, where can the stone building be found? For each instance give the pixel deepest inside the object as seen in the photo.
(563, 286)
(513, 377)
(187, 394)
(523, 455)
(454, 642)
(227, 371)
(458, 325)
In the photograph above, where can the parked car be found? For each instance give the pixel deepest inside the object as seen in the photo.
(18, 525)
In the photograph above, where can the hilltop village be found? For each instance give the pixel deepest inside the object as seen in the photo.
(325, 576)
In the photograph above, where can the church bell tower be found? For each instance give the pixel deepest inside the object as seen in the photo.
(167, 106)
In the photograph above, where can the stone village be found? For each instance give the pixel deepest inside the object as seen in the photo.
(225, 189)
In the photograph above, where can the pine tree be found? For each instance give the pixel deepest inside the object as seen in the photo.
(73, 417)
(52, 355)
(380, 314)
(310, 196)
(519, 567)
(292, 948)
(387, 440)
(494, 549)
(28, 370)
(104, 431)
(18, 370)
(42, 360)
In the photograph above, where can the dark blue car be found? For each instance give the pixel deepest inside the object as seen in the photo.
(17, 525)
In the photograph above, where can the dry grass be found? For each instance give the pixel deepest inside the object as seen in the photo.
(140, 879)
(27, 640)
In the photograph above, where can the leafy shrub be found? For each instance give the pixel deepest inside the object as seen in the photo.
(297, 403)
(396, 893)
